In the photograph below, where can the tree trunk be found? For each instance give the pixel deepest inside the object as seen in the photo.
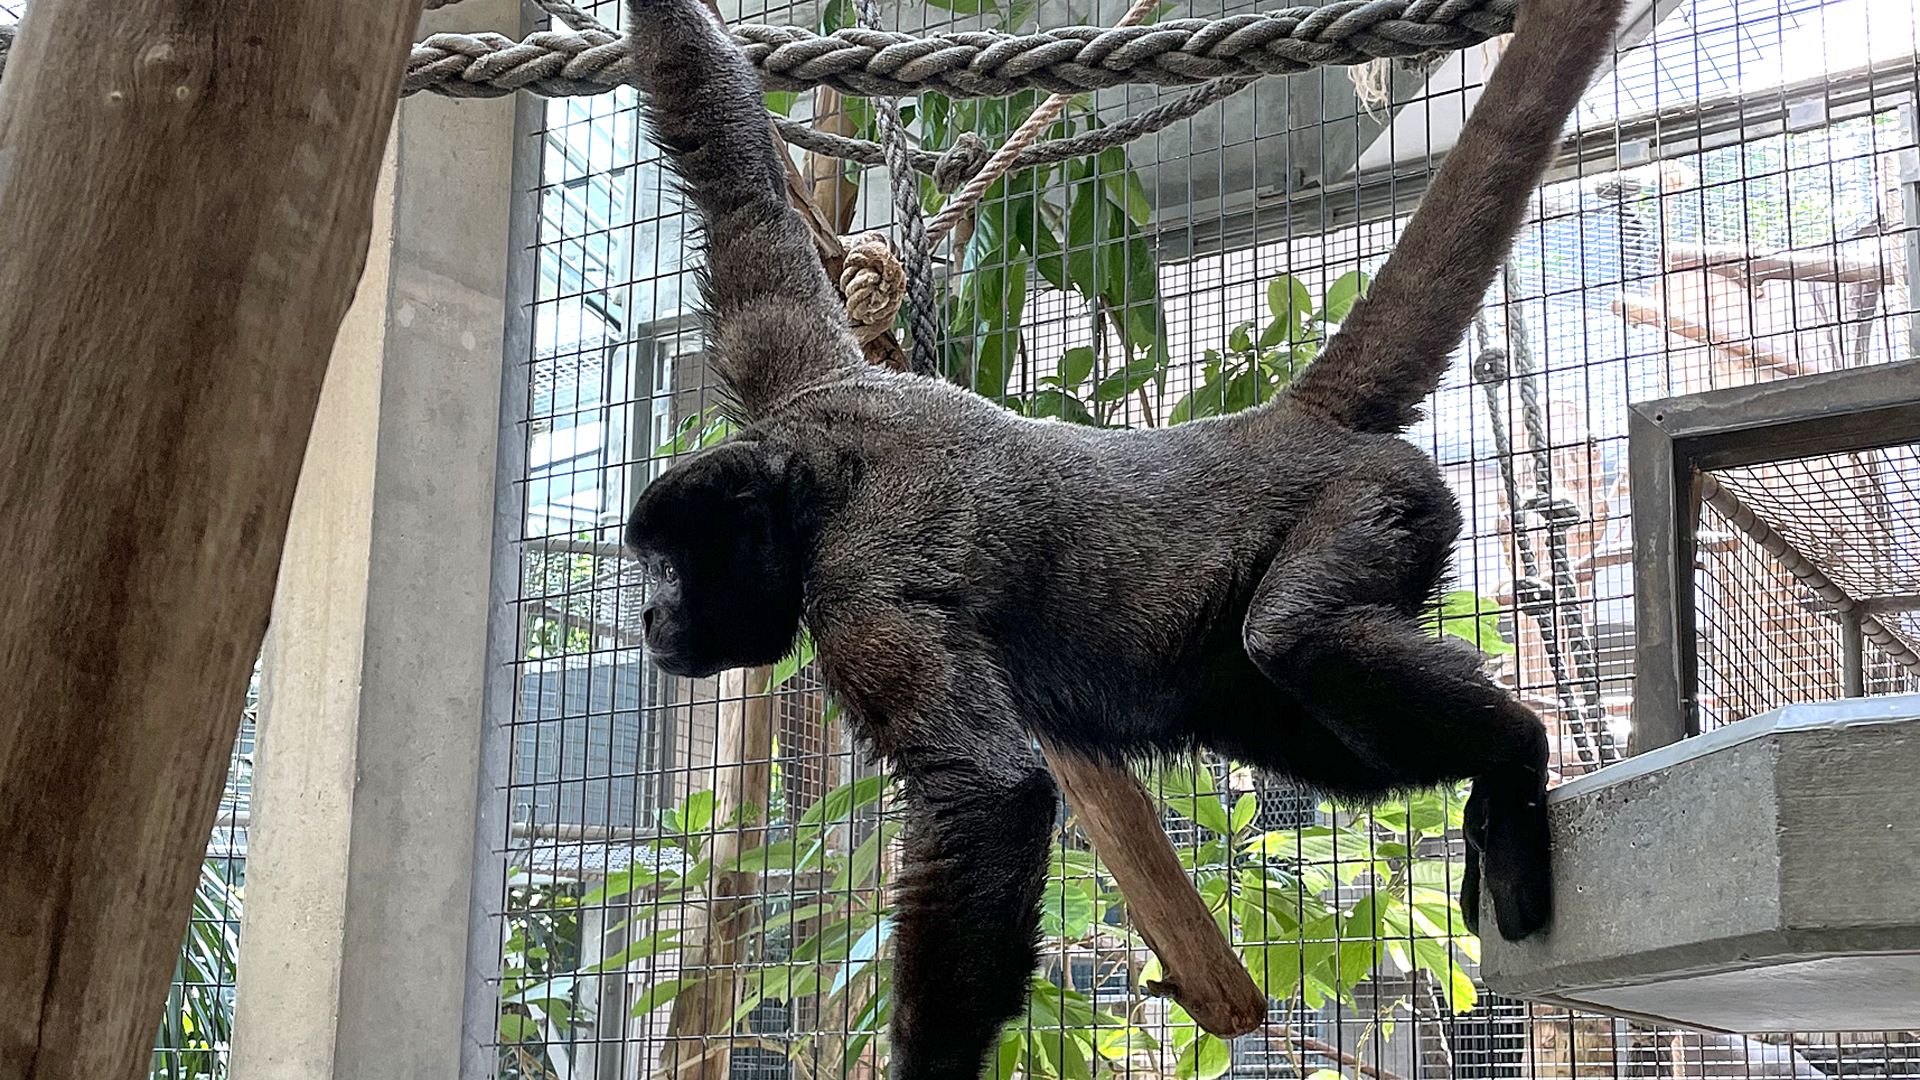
(743, 758)
(185, 192)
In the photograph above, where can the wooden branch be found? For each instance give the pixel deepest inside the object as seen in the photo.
(185, 195)
(712, 952)
(1744, 264)
(1642, 313)
(1201, 971)
(1285, 1033)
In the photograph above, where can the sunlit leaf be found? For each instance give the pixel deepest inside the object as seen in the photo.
(1345, 291)
(659, 994)
(846, 800)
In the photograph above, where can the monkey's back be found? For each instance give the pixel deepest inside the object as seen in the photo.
(1110, 568)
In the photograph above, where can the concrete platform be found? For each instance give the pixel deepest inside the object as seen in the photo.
(1761, 877)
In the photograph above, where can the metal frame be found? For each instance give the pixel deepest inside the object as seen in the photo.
(1671, 443)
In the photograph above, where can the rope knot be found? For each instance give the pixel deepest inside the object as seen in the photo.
(960, 162)
(1532, 594)
(875, 285)
(1491, 365)
(1559, 509)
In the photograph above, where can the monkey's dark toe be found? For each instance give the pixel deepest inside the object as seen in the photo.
(1508, 858)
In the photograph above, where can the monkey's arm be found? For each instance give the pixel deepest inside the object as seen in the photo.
(1392, 349)
(980, 820)
(778, 323)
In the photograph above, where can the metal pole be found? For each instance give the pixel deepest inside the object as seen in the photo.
(1853, 675)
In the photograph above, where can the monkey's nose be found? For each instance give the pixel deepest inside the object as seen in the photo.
(646, 618)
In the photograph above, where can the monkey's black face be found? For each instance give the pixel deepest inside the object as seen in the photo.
(716, 535)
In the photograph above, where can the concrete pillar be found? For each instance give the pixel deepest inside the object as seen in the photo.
(354, 948)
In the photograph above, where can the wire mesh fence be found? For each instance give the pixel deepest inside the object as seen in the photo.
(196, 1025)
(1769, 639)
(697, 869)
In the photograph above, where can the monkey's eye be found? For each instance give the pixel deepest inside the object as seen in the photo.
(668, 574)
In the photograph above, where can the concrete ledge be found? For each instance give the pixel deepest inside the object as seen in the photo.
(1762, 877)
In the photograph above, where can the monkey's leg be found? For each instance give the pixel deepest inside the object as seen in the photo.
(1331, 624)
(967, 907)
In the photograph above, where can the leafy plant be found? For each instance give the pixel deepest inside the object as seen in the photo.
(1259, 361)
(539, 976)
(196, 1027)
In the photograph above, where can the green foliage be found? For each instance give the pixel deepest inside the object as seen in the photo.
(1260, 360)
(196, 1027)
(697, 431)
(538, 975)
(1472, 617)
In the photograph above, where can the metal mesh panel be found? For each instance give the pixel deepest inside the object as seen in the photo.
(1767, 638)
(1737, 204)
(196, 1025)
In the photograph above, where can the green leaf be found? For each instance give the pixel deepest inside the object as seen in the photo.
(1033, 232)
(966, 7)
(1013, 1046)
(1466, 615)
(1056, 403)
(790, 665)
(1123, 185)
(1206, 1058)
(844, 801)
(1276, 968)
(1075, 366)
(1115, 1043)
(1290, 303)
(659, 994)
(696, 813)
(1241, 339)
(1245, 390)
(781, 101)
(519, 1028)
(651, 945)
(864, 865)
(1128, 379)
(618, 884)
(800, 852)
(1081, 243)
(1345, 291)
(1244, 810)
(1066, 908)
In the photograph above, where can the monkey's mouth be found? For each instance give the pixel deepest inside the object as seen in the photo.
(674, 662)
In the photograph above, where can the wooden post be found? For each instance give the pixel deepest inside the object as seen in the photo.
(743, 759)
(185, 196)
(1201, 971)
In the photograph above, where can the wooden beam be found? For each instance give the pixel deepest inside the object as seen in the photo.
(186, 193)
(1201, 971)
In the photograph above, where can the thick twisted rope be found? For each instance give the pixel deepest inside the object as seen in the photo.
(913, 230)
(879, 63)
(970, 64)
(1023, 137)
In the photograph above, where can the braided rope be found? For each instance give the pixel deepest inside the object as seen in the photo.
(961, 162)
(913, 230)
(880, 63)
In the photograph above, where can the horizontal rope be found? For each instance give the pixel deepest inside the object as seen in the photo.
(970, 64)
(959, 163)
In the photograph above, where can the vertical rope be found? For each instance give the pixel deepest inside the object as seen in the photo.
(917, 248)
